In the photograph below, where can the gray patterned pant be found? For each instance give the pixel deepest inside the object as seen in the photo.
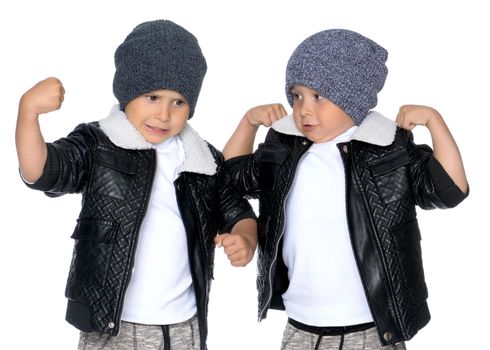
(296, 339)
(180, 336)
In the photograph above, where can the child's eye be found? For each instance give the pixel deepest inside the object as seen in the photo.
(296, 96)
(319, 97)
(152, 98)
(180, 103)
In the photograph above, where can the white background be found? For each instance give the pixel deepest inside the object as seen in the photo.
(438, 55)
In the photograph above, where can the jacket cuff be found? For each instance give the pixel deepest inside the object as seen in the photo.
(50, 172)
(444, 186)
(249, 214)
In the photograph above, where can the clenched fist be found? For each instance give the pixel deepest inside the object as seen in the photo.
(44, 97)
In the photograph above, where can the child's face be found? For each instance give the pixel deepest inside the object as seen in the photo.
(318, 118)
(158, 115)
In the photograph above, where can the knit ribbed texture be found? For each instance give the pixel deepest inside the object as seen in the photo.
(159, 55)
(341, 65)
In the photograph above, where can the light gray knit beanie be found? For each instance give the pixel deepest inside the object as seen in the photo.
(159, 55)
(341, 65)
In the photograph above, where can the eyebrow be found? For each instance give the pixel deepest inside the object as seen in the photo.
(174, 94)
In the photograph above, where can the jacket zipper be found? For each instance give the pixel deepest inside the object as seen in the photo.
(346, 151)
(283, 226)
(198, 226)
(143, 213)
(201, 245)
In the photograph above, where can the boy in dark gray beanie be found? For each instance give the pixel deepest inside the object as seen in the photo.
(338, 185)
(155, 55)
(154, 196)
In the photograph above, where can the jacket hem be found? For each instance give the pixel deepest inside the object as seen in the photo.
(78, 314)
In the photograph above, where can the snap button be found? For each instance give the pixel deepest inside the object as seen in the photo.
(111, 325)
(387, 336)
(304, 142)
(345, 149)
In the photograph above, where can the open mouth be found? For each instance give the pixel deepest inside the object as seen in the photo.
(155, 130)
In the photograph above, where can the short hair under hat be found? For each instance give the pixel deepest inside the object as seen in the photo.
(159, 55)
(343, 66)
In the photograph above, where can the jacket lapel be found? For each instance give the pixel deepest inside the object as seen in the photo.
(198, 156)
(375, 129)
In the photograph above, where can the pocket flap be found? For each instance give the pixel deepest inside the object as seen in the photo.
(389, 163)
(116, 161)
(94, 230)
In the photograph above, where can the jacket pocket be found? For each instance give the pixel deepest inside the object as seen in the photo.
(408, 256)
(112, 174)
(392, 176)
(94, 241)
(269, 158)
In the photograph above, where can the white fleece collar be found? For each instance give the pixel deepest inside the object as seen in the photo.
(376, 129)
(198, 156)
(121, 132)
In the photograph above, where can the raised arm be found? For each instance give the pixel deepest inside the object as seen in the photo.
(445, 148)
(44, 97)
(242, 140)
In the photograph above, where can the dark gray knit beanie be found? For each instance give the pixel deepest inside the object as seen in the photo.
(343, 66)
(159, 55)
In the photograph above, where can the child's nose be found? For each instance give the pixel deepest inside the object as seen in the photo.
(163, 114)
(305, 108)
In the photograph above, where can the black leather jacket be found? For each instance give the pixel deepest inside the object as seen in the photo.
(386, 177)
(116, 184)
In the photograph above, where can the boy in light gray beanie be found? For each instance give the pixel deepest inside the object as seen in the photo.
(338, 184)
(341, 65)
(154, 196)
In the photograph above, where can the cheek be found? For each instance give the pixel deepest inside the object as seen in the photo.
(297, 118)
(134, 120)
(180, 122)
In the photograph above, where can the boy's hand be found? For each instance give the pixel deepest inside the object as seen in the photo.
(409, 116)
(265, 114)
(242, 140)
(44, 97)
(237, 247)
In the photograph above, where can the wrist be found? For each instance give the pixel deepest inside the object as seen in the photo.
(249, 123)
(27, 113)
(247, 229)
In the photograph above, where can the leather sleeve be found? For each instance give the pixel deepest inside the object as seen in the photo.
(432, 186)
(232, 206)
(244, 175)
(68, 164)
(252, 173)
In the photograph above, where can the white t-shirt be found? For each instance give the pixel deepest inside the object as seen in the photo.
(160, 291)
(325, 287)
